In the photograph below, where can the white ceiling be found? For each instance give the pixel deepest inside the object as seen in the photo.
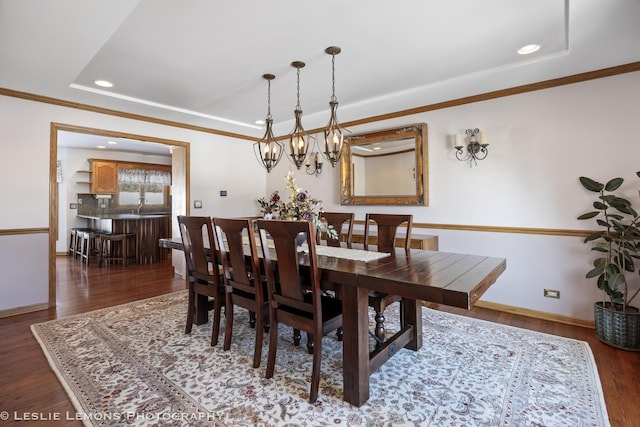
(206, 58)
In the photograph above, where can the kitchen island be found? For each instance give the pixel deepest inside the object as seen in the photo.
(148, 229)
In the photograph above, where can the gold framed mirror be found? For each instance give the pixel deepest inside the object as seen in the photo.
(385, 167)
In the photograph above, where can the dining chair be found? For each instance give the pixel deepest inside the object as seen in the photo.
(387, 228)
(203, 271)
(294, 300)
(337, 220)
(244, 284)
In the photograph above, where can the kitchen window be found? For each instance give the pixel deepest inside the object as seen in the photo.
(143, 186)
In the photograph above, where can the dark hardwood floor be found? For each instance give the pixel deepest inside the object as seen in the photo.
(28, 387)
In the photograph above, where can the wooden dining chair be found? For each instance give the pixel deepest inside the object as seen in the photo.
(294, 300)
(244, 285)
(203, 271)
(337, 220)
(387, 228)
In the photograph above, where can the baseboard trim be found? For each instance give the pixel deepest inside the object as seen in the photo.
(22, 310)
(543, 315)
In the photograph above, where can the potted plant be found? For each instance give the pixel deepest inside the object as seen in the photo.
(617, 243)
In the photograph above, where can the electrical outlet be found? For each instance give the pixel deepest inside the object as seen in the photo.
(73, 206)
(197, 204)
(551, 293)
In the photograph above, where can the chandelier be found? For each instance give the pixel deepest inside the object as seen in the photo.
(268, 151)
(298, 141)
(333, 132)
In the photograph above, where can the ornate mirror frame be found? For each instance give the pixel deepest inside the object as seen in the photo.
(418, 133)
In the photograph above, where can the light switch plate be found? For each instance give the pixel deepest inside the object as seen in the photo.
(197, 204)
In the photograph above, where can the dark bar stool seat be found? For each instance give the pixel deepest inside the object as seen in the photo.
(114, 247)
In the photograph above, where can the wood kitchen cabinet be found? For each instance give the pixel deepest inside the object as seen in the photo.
(104, 177)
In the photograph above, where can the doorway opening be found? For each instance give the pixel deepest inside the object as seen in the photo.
(180, 151)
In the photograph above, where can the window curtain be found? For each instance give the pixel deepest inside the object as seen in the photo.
(143, 176)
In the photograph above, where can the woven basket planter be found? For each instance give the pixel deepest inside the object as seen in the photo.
(616, 328)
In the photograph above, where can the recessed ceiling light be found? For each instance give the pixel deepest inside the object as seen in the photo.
(103, 83)
(101, 146)
(112, 142)
(530, 48)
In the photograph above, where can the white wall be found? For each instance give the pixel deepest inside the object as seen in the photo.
(540, 143)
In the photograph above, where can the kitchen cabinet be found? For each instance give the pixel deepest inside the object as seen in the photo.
(104, 177)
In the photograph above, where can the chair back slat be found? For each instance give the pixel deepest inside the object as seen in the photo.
(240, 272)
(199, 247)
(290, 284)
(337, 220)
(235, 234)
(387, 228)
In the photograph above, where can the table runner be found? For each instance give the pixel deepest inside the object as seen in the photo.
(332, 251)
(354, 254)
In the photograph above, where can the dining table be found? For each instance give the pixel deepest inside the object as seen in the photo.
(453, 279)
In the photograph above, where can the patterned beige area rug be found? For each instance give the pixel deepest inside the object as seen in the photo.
(134, 365)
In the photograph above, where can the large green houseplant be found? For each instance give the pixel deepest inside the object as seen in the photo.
(617, 243)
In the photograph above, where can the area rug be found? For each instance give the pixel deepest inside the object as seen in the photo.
(133, 365)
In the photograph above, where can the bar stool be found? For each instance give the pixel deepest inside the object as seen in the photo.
(72, 242)
(75, 243)
(107, 250)
(89, 240)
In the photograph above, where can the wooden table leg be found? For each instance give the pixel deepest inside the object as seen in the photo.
(411, 314)
(355, 343)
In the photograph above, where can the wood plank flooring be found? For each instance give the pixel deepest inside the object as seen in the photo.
(28, 387)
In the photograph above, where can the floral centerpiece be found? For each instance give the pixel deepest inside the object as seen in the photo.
(271, 205)
(300, 206)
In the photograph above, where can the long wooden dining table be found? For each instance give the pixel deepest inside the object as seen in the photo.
(453, 279)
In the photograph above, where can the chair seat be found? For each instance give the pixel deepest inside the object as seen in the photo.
(295, 300)
(205, 282)
(243, 282)
(331, 307)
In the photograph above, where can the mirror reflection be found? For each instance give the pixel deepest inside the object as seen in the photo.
(385, 167)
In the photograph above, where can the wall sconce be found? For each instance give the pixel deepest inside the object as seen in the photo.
(475, 150)
(313, 164)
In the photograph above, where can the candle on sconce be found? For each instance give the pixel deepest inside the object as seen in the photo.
(483, 137)
(458, 140)
(318, 158)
